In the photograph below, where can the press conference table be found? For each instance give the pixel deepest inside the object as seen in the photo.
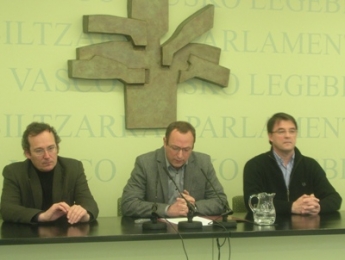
(319, 237)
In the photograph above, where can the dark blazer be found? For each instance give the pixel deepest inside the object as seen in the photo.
(149, 178)
(21, 197)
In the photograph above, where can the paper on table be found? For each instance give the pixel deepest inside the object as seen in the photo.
(204, 221)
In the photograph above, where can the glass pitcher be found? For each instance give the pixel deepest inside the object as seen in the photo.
(264, 212)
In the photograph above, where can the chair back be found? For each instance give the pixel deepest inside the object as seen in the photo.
(238, 204)
(119, 208)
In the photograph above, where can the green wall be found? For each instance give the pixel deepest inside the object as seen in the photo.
(283, 55)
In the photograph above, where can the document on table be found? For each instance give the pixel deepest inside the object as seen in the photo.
(204, 221)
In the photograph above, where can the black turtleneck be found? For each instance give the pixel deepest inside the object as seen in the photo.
(46, 179)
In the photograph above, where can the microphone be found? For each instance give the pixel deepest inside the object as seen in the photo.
(189, 224)
(154, 224)
(227, 210)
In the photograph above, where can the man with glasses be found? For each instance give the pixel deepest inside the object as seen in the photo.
(45, 187)
(162, 180)
(299, 182)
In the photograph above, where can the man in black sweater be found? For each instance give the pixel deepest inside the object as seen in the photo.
(299, 182)
(45, 187)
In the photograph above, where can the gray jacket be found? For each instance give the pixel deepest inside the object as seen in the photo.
(149, 178)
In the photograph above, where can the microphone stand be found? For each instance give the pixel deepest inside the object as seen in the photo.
(154, 224)
(189, 224)
(225, 222)
(227, 211)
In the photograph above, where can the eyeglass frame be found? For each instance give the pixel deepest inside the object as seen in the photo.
(177, 149)
(284, 131)
(51, 149)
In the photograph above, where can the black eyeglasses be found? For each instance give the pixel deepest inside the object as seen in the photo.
(284, 131)
(178, 149)
(41, 151)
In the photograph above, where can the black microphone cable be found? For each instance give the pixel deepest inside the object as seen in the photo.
(179, 234)
(223, 224)
(220, 245)
(192, 209)
(165, 219)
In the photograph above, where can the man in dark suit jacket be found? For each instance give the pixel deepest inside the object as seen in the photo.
(45, 187)
(151, 182)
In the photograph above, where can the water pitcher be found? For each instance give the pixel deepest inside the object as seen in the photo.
(264, 212)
